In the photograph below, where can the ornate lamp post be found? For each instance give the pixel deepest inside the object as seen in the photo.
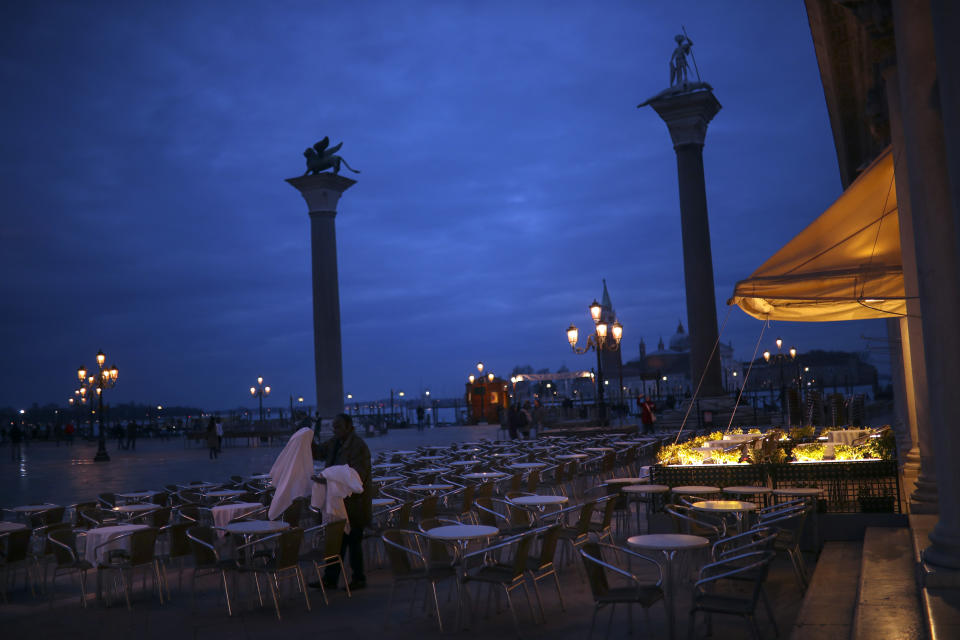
(604, 338)
(105, 378)
(780, 358)
(258, 392)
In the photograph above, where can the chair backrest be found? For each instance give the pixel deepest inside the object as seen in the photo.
(548, 546)
(291, 515)
(107, 499)
(202, 542)
(533, 480)
(143, 542)
(428, 507)
(485, 490)
(403, 515)
(515, 481)
(177, 535)
(522, 555)
(62, 543)
(592, 563)
(404, 560)
(88, 515)
(47, 517)
(288, 548)
(756, 539)
(17, 545)
(686, 520)
(333, 537)
(469, 494)
(586, 513)
(48, 547)
(752, 566)
(609, 506)
(486, 514)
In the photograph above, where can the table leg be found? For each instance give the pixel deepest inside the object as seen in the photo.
(671, 622)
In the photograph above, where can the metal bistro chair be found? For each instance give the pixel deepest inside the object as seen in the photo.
(175, 544)
(14, 555)
(628, 588)
(541, 566)
(509, 573)
(789, 528)
(63, 543)
(325, 543)
(712, 595)
(141, 554)
(206, 559)
(283, 563)
(409, 563)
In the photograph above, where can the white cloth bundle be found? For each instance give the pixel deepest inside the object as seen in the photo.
(291, 472)
(342, 481)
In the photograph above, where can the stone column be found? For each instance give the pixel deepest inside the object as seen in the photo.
(322, 192)
(919, 458)
(687, 115)
(938, 269)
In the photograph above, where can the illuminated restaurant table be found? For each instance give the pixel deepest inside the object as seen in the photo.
(668, 544)
(694, 490)
(749, 490)
(846, 436)
(736, 507)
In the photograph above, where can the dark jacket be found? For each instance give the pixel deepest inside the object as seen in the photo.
(354, 453)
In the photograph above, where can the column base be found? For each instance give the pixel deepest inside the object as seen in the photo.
(924, 498)
(944, 550)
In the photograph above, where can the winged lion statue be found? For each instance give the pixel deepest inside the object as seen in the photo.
(320, 158)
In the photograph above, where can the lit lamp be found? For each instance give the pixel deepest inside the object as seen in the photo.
(780, 358)
(606, 337)
(258, 392)
(106, 378)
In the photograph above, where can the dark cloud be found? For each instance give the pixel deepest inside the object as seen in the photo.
(506, 170)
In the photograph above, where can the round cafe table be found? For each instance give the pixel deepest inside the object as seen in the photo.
(28, 509)
(626, 480)
(599, 449)
(7, 527)
(462, 534)
(224, 494)
(102, 536)
(136, 507)
(540, 502)
(571, 456)
(383, 502)
(668, 544)
(432, 488)
(464, 463)
(484, 475)
(748, 491)
(431, 471)
(256, 527)
(224, 513)
(736, 507)
(386, 479)
(137, 496)
(527, 465)
(387, 465)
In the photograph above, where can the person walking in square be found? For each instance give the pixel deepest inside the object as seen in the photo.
(647, 415)
(346, 447)
(213, 444)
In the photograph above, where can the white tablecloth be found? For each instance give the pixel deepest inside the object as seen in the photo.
(100, 535)
(224, 513)
(846, 436)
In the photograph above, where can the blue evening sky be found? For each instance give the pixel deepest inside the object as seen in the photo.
(505, 169)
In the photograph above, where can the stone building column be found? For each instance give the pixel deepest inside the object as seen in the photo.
(938, 269)
(322, 192)
(919, 458)
(687, 116)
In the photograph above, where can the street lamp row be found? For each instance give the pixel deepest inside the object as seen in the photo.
(258, 392)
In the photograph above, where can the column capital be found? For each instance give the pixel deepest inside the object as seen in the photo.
(322, 191)
(686, 114)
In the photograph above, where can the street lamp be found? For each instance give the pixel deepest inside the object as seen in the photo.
(258, 392)
(779, 358)
(604, 338)
(105, 378)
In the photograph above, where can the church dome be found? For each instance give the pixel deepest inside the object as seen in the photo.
(680, 340)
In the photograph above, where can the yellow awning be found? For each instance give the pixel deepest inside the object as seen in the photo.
(845, 266)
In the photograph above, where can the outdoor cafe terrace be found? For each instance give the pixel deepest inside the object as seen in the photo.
(542, 538)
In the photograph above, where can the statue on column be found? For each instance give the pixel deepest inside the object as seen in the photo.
(678, 61)
(320, 158)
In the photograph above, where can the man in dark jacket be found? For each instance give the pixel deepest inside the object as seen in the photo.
(346, 447)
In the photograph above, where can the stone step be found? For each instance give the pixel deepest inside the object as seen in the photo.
(888, 603)
(828, 606)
